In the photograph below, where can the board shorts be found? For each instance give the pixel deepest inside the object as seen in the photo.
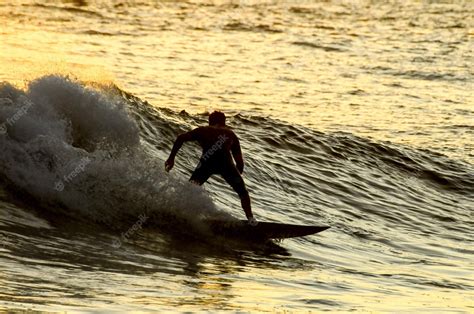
(227, 170)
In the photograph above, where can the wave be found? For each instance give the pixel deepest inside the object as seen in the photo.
(71, 9)
(414, 74)
(316, 46)
(425, 164)
(96, 153)
(77, 151)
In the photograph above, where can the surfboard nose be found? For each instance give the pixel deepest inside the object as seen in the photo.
(262, 231)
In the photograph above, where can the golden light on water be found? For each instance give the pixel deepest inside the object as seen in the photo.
(346, 77)
(53, 54)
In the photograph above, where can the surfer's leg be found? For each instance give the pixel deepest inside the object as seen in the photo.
(200, 174)
(235, 180)
(246, 205)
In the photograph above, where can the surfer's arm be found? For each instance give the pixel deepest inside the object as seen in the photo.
(237, 153)
(185, 137)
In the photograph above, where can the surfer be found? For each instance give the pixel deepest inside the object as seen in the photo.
(219, 144)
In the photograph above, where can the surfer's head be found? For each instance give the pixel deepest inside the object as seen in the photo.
(217, 118)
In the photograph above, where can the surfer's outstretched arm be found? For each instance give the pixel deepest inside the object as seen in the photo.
(185, 137)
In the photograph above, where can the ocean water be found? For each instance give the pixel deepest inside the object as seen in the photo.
(353, 114)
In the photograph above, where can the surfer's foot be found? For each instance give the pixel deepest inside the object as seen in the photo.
(252, 221)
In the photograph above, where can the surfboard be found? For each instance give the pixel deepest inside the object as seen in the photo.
(262, 231)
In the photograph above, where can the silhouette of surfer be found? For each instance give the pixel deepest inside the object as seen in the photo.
(220, 147)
